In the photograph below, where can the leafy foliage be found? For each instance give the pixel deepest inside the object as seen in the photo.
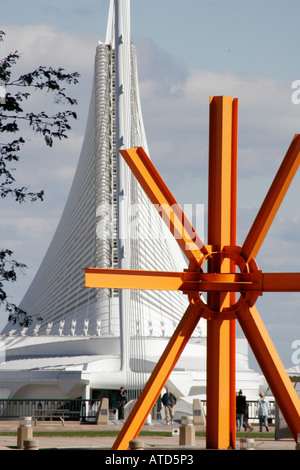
(8, 273)
(14, 120)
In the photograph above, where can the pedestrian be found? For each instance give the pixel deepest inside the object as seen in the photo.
(240, 409)
(262, 407)
(169, 401)
(246, 424)
(121, 402)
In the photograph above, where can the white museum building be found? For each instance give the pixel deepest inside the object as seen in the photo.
(92, 340)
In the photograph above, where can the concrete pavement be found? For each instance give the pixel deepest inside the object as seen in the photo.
(153, 442)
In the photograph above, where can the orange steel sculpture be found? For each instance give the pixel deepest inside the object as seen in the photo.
(222, 282)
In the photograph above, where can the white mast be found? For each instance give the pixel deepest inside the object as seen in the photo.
(123, 140)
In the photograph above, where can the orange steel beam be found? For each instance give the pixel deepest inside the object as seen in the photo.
(281, 282)
(220, 361)
(158, 378)
(272, 201)
(164, 202)
(137, 279)
(164, 280)
(272, 367)
(192, 281)
(233, 223)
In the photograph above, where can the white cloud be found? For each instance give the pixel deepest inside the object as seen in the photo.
(43, 44)
(267, 118)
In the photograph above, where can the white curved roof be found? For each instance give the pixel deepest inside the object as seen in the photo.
(88, 233)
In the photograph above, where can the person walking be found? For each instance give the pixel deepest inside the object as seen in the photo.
(169, 401)
(121, 402)
(246, 424)
(262, 407)
(240, 409)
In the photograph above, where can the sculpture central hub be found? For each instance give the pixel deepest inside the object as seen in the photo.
(242, 277)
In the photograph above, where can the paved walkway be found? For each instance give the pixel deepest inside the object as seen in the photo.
(105, 442)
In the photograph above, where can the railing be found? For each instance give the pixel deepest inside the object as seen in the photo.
(252, 415)
(73, 410)
(80, 410)
(252, 409)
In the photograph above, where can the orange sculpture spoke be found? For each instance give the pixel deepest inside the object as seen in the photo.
(271, 366)
(192, 281)
(272, 201)
(230, 270)
(164, 202)
(159, 376)
(281, 282)
(135, 279)
(220, 391)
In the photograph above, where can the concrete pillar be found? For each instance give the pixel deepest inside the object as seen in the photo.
(136, 444)
(24, 431)
(31, 444)
(187, 432)
(103, 413)
(246, 444)
(86, 396)
(198, 412)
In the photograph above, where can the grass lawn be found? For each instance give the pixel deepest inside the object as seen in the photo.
(253, 434)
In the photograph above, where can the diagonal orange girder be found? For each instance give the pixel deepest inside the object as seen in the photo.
(272, 367)
(158, 378)
(164, 202)
(250, 321)
(272, 201)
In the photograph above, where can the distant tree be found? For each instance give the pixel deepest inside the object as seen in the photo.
(13, 122)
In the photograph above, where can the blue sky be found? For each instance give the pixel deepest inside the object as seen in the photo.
(187, 51)
(242, 36)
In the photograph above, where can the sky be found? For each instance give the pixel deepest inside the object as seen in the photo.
(187, 52)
